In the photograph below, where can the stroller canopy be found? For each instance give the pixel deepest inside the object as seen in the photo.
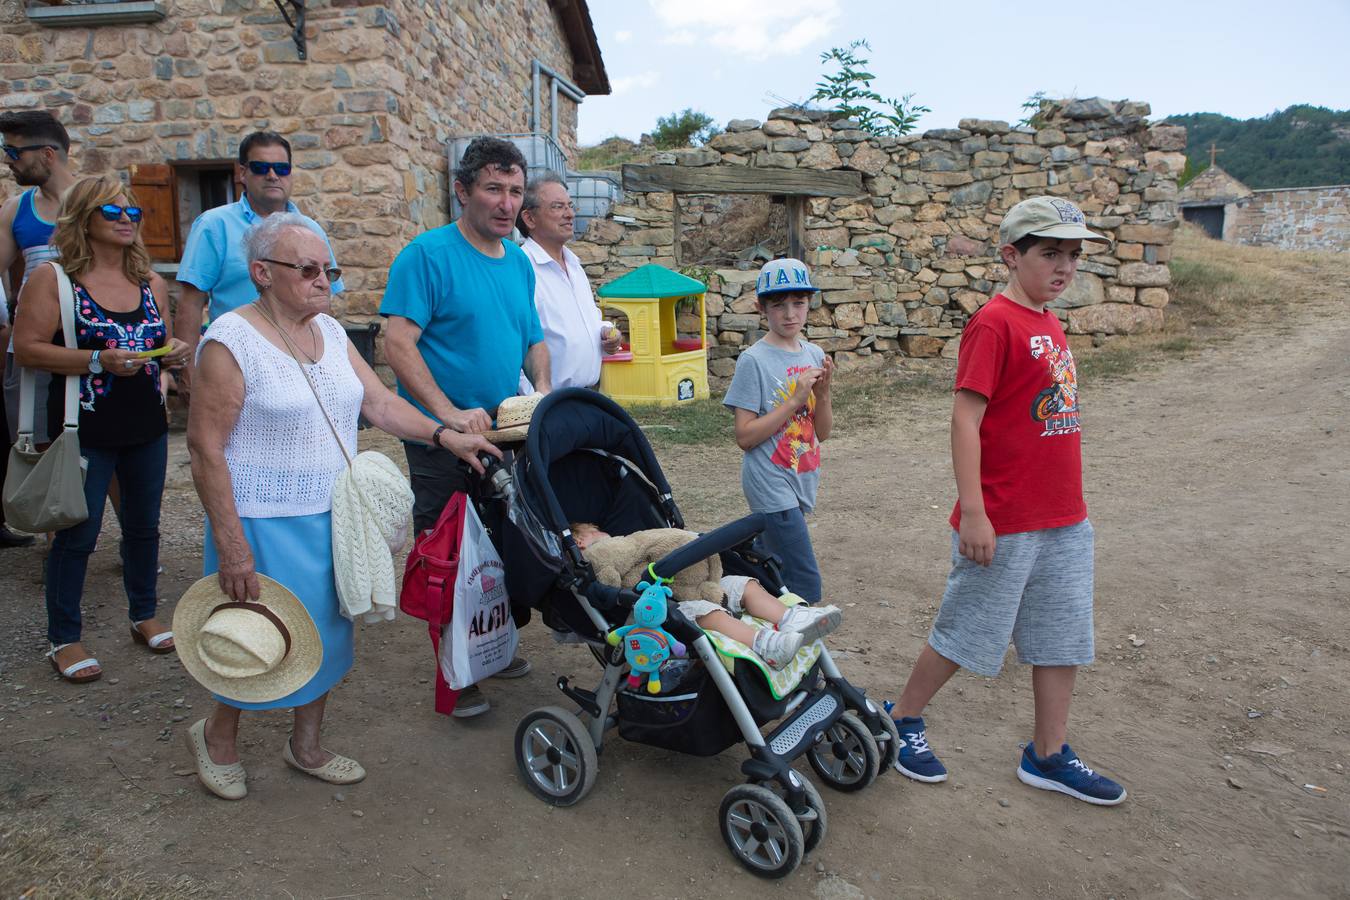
(569, 473)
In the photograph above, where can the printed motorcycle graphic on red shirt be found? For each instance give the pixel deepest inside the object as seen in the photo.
(1056, 407)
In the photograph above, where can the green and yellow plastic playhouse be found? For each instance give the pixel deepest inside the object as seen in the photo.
(657, 365)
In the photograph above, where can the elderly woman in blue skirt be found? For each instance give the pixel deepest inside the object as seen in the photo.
(265, 457)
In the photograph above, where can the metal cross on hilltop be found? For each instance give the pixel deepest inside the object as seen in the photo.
(1213, 152)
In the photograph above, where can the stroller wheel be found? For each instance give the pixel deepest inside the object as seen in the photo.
(813, 829)
(761, 831)
(555, 756)
(888, 743)
(846, 755)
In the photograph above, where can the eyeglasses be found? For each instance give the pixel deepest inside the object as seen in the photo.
(257, 167)
(558, 206)
(14, 152)
(113, 213)
(310, 271)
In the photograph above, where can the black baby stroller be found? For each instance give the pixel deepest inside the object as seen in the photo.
(586, 460)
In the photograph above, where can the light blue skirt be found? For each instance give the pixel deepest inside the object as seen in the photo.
(297, 551)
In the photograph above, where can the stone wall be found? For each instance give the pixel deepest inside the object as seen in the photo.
(1316, 218)
(368, 113)
(464, 68)
(904, 265)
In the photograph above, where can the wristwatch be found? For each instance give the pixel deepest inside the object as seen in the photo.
(95, 367)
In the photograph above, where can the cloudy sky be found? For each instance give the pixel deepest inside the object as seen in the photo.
(980, 58)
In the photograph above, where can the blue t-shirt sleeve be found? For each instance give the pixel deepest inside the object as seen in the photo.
(410, 292)
(204, 255)
(745, 389)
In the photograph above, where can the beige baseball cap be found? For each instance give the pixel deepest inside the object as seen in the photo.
(1051, 217)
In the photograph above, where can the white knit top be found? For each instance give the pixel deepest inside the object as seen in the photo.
(282, 456)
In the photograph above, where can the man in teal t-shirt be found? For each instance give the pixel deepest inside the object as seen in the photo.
(461, 326)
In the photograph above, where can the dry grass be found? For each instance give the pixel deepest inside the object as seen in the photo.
(43, 862)
(1219, 291)
(860, 399)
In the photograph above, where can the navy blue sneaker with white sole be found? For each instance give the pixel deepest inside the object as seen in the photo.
(1066, 773)
(916, 760)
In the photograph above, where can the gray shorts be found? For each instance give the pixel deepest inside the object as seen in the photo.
(733, 586)
(1037, 593)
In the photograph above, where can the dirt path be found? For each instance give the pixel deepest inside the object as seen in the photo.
(1218, 485)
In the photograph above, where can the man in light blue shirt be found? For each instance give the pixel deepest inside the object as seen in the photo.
(213, 262)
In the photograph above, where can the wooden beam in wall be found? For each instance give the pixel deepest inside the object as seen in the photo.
(796, 226)
(675, 228)
(742, 180)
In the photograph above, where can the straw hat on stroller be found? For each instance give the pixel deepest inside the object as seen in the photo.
(513, 419)
(253, 652)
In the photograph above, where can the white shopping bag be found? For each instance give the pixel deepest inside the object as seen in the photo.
(481, 637)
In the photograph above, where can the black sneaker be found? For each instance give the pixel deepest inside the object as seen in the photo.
(471, 703)
(11, 538)
(516, 668)
(1066, 773)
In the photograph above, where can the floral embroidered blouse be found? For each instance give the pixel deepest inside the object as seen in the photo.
(115, 411)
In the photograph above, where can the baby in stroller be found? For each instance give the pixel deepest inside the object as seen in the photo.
(585, 460)
(790, 623)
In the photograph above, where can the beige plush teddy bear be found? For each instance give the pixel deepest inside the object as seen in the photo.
(622, 561)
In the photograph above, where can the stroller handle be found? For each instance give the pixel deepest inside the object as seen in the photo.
(728, 536)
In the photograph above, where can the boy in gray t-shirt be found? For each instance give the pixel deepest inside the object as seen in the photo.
(781, 396)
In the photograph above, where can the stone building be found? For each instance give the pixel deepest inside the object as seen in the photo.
(902, 232)
(1210, 201)
(1311, 218)
(369, 92)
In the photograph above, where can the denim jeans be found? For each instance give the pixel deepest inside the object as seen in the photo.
(787, 537)
(140, 476)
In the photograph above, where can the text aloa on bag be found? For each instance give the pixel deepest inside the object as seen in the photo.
(480, 639)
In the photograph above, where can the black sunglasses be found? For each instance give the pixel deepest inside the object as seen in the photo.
(14, 152)
(257, 167)
(113, 213)
(310, 271)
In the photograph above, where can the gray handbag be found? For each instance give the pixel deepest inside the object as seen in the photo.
(44, 489)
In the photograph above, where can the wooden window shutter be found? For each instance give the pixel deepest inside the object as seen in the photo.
(156, 190)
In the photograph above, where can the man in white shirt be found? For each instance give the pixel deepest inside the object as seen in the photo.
(567, 311)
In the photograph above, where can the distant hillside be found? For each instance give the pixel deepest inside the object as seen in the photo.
(1301, 146)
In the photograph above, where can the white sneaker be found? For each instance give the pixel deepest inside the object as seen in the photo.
(811, 622)
(777, 648)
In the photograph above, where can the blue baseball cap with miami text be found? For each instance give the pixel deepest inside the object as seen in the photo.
(781, 276)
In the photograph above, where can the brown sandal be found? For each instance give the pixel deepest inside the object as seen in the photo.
(72, 672)
(153, 644)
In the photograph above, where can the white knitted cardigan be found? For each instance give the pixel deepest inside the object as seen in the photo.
(372, 509)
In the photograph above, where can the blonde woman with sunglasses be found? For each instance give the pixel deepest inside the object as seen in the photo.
(123, 337)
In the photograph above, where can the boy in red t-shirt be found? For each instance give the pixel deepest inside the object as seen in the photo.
(1022, 548)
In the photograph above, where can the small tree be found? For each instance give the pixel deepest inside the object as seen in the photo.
(849, 91)
(1035, 109)
(689, 128)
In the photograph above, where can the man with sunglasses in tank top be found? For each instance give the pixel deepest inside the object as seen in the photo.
(213, 268)
(36, 149)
